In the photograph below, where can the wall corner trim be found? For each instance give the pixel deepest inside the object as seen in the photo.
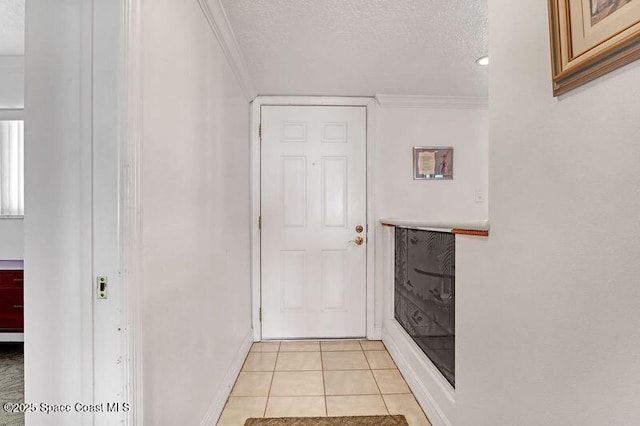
(436, 102)
(221, 28)
(220, 399)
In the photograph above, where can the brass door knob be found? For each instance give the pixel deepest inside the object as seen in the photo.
(359, 229)
(358, 241)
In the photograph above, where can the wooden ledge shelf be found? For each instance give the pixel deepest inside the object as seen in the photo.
(473, 232)
(477, 229)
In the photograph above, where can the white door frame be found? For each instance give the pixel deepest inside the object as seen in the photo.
(370, 103)
(130, 210)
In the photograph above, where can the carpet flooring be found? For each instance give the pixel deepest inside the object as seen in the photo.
(330, 421)
(11, 381)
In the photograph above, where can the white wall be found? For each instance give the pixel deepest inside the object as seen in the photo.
(195, 215)
(552, 334)
(398, 195)
(11, 96)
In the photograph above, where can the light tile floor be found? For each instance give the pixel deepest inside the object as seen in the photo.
(316, 379)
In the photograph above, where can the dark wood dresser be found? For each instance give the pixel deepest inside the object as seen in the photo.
(11, 301)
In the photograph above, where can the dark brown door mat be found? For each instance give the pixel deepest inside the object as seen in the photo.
(330, 421)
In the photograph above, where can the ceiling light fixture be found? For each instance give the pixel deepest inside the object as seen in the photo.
(483, 60)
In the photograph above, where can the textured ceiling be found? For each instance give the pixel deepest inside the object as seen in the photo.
(11, 27)
(362, 47)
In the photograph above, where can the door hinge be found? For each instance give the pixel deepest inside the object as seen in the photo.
(259, 222)
(260, 314)
(260, 131)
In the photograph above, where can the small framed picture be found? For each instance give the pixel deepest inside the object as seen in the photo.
(432, 162)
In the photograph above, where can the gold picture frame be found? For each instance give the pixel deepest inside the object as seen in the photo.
(590, 38)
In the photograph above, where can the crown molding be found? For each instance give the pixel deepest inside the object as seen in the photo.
(426, 101)
(221, 28)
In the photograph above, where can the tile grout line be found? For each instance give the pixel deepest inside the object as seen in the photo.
(324, 388)
(273, 375)
(244, 363)
(375, 380)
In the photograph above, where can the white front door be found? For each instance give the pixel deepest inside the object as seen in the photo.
(313, 208)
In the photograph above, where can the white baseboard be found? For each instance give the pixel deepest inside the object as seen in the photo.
(215, 410)
(433, 392)
(11, 337)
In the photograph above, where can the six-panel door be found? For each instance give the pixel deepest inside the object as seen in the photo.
(313, 180)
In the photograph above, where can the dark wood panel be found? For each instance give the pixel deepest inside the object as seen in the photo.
(11, 277)
(11, 301)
